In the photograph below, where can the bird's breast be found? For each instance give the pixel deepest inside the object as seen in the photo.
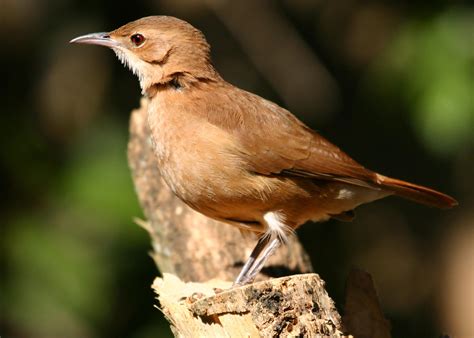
(194, 157)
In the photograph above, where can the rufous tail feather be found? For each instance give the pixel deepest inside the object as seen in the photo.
(417, 193)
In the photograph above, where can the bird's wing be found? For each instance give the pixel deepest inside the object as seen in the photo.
(272, 141)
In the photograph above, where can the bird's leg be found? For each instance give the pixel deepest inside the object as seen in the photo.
(261, 244)
(264, 249)
(260, 261)
(276, 233)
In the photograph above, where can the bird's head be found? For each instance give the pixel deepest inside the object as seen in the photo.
(157, 49)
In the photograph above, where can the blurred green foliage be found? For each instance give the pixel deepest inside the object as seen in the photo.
(60, 255)
(430, 64)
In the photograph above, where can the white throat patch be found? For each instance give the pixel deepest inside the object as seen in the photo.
(135, 64)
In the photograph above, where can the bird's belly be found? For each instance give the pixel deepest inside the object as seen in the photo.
(221, 193)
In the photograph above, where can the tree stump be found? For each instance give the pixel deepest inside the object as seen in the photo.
(293, 306)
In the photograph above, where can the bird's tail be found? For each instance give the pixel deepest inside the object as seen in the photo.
(417, 193)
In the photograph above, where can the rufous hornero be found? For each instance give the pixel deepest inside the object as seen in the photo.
(234, 156)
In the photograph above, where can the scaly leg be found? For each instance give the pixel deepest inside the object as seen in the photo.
(258, 263)
(261, 245)
(276, 234)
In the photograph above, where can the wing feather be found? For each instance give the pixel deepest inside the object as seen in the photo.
(272, 141)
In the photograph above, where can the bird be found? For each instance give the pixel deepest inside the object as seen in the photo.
(233, 155)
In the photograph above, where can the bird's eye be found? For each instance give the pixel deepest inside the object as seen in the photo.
(137, 39)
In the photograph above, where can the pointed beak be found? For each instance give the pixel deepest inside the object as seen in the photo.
(100, 39)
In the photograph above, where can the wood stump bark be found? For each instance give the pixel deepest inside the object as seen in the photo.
(293, 306)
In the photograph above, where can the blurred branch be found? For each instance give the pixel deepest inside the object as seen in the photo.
(280, 54)
(363, 316)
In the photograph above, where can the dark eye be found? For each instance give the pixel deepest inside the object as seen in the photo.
(137, 39)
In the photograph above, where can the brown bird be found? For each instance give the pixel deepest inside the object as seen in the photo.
(233, 155)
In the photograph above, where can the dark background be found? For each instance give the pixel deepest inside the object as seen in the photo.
(391, 82)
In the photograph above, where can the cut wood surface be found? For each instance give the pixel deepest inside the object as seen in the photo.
(293, 306)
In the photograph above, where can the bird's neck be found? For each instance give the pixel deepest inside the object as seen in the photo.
(182, 75)
(204, 71)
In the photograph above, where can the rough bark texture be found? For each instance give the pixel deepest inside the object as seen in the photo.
(186, 243)
(293, 306)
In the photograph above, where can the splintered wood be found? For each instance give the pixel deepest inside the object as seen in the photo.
(294, 306)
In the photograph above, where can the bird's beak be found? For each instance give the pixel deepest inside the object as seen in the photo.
(100, 39)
